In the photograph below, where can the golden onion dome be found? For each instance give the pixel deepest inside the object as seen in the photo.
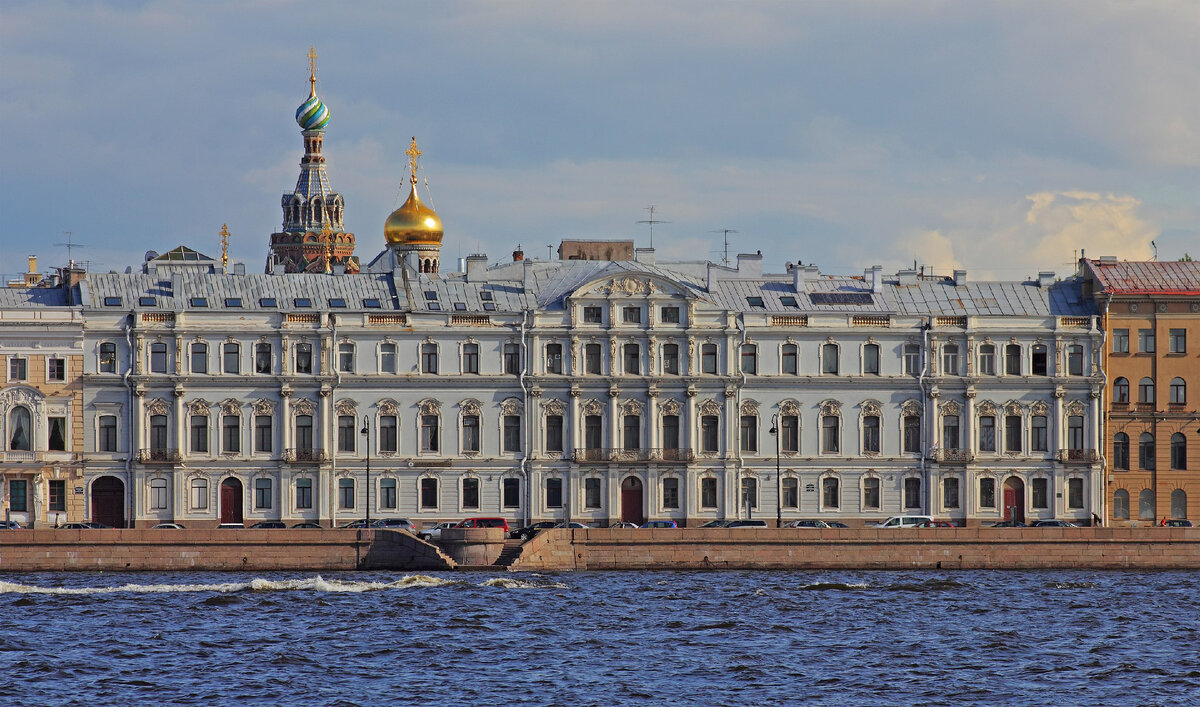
(413, 223)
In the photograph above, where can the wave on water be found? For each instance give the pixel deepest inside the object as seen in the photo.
(926, 586)
(510, 583)
(1070, 585)
(313, 584)
(833, 586)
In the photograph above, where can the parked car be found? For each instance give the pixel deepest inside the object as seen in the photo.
(167, 526)
(82, 526)
(310, 526)
(903, 521)
(710, 524)
(836, 524)
(231, 526)
(491, 522)
(935, 524)
(626, 524)
(747, 524)
(1177, 523)
(9, 525)
(1053, 524)
(660, 524)
(395, 524)
(360, 523)
(435, 533)
(1008, 524)
(268, 525)
(572, 524)
(807, 524)
(532, 529)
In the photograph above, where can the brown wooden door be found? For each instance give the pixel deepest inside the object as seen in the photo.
(108, 501)
(631, 501)
(1014, 500)
(231, 501)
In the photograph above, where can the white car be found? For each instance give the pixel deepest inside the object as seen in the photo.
(435, 533)
(904, 521)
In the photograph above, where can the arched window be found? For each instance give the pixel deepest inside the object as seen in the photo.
(1145, 390)
(1178, 391)
(1178, 451)
(1146, 505)
(21, 430)
(1179, 503)
(1121, 390)
(1121, 505)
(1121, 451)
(1146, 451)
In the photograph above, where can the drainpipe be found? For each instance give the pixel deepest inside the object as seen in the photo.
(1102, 423)
(129, 425)
(928, 418)
(525, 410)
(741, 323)
(337, 379)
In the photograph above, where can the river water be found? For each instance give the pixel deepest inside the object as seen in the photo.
(613, 638)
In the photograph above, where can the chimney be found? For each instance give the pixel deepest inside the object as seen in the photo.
(32, 264)
(339, 268)
(749, 264)
(873, 276)
(527, 275)
(1045, 278)
(802, 274)
(518, 255)
(644, 255)
(476, 267)
(907, 277)
(960, 278)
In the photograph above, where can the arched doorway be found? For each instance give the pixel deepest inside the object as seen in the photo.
(1014, 499)
(108, 501)
(631, 500)
(231, 501)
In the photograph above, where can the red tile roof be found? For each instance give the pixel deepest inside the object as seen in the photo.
(1146, 277)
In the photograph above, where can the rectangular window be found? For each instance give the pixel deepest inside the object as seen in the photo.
(987, 434)
(262, 358)
(871, 493)
(56, 369)
(1012, 433)
(871, 360)
(345, 493)
(1012, 360)
(1038, 360)
(554, 358)
(1178, 340)
(829, 435)
(950, 439)
(429, 358)
(158, 358)
(1038, 438)
(346, 358)
(18, 370)
(199, 433)
(789, 427)
(591, 315)
(262, 494)
(304, 432)
(591, 493)
(791, 492)
(199, 358)
(264, 434)
(1041, 496)
(470, 359)
(387, 358)
(709, 433)
(912, 360)
(387, 493)
(870, 434)
(750, 359)
(632, 432)
(790, 364)
(429, 493)
(708, 493)
(158, 433)
(511, 493)
(912, 434)
(1075, 360)
(470, 493)
(633, 357)
(670, 315)
(388, 437)
(1145, 341)
(987, 360)
(346, 433)
(950, 360)
(670, 491)
(158, 494)
(18, 495)
(512, 359)
(58, 494)
(591, 359)
(631, 315)
(56, 435)
(512, 433)
(199, 494)
(107, 440)
(231, 437)
(670, 359)
(1074, 493)
(987, 493)
(554, 433)
(591, 432)
(470, 433)
(1075, 432)
(108, 358)
(749, 433)
(304, 358)
(230, 358)
(554, 493)
(429, 433)
(829, 359)
(708, 358)
(670, 425)
(912, 493)
(1120, 341)
(304, 498)
(950, 493)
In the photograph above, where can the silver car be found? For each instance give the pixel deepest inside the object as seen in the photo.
(395, 524)
(435, 533)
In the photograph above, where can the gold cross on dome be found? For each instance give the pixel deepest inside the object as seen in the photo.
(312, 60)
(224, 245)
(413, 153)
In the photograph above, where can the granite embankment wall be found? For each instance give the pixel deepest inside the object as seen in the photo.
(866, 548)
(251, 550)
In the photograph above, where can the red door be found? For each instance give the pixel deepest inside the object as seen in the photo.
(1014, 500)
(108, 501)
(631, 501)
(231, 501)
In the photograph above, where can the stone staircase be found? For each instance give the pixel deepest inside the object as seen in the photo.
(512, 549)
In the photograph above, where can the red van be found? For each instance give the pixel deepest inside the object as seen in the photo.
(484, 523)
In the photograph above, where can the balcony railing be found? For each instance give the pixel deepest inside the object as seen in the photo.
(303, 455)
(1078, 456)
(639, 454)
(159, 456)
(954, 456)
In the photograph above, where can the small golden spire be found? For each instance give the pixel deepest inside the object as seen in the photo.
(413, 153)
(312, 71)
(327, 239)
(224, 245)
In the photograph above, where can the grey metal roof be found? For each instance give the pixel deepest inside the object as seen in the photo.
(251, 289)
(33, 297)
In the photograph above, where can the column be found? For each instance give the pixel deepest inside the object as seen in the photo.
(573, 424)
(968, 422)
(180, 422)
(653, 434)
(614, 425)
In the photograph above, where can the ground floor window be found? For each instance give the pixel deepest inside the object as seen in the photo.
(1074, 493)
(1146, 505)
(18, 495)
(987, 493)
(262, 494)
(950, 493)
(670, 489)
(1121, 505)
(429, 493)
(912, 493)
(158, 494)
(511, 493)
(346, 493)
(750, 493)
(199, 494)
(591, 493)
(1041, 493)
(708, 493)
(1179, 504)
(387, 493)
(304, 499)
(791, 493)
(58, 495)
(831, 493)
(554, 493)
(470, 493)
(871, 500)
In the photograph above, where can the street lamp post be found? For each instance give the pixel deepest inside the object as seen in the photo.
(774, 432)
(366, 433)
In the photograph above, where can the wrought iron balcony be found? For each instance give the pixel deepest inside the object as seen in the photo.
(954, 456)
(159, 456)
(673, 454)
(303, 455)
(1078, 456)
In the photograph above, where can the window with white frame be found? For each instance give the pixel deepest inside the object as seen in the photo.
(158, 494)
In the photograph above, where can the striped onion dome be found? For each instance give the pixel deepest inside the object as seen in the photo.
(312, 114)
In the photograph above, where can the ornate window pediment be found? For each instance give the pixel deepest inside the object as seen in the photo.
(871, 407)
(911, 407)
(304, 406)
(429, 406)
(749, 407)
(987, 407)
(789, 407)
(710, 407)
(199, 406)
(593, 407)
(262, 406)
(346, 406)
(229, 406)
(512, 406)
(470, 406)
(831, 407)
(554, 407)
(387, 406)
(951, 407)
(158, 406)
(671, 407)
(1012, 407)
(1040, 408)
(631, 407)
(1075, 407)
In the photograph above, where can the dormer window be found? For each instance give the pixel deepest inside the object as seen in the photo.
(489, 306)
(337, 302)
(198, 301)
(302, 302)
(756, 302)
(233, 302)
(430, 295)
(788, 301)
(371, 303)
(267, 302)
(112, 301)
(147, 301)
(485, 296)
(435, 306)
(460, 306)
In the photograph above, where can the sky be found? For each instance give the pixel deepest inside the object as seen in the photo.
(999, 137)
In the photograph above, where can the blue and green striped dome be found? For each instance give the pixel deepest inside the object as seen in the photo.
(312, 114)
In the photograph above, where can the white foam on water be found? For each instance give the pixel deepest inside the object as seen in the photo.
(313, 584)
(508, 583)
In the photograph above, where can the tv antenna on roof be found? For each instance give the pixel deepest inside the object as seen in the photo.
(725, 251)
(652, 221)
(69, 246)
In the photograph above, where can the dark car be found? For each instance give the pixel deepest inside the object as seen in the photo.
(660, 524)
(1008, 524)
(1177, 523)
(747, 524)
(395, 524)
(10, 525)
(310, 526)
(935, 524)
(268, 525)
(82, 526)
(715, 524)
(1053, 524)
(836, 524)
(531, 530)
